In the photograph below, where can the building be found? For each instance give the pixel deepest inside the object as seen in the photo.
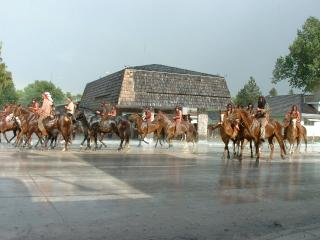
(160, 87)
(308, 105)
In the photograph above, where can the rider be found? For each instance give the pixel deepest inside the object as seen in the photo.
(178, 117)
(34, 105)
(261, 116)
(70, 108)
(5, 114)
(45, 111)
(294, 113)
(250, 109)
(147, 116)
(229, 111)
(113, 112)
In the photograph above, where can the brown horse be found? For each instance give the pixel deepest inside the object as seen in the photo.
(273, 129)
(29, 125)
(172, 131)
(9, 123)
(294, 135)
(145, 128)
(227, 133)
(62, 123)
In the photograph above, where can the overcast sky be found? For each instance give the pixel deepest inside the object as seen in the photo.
(73, 42)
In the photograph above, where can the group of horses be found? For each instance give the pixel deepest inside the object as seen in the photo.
(23, 122)
(249, 130)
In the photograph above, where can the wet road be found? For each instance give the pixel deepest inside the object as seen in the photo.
(142, 193)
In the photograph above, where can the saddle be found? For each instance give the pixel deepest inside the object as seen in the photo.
(260, 114)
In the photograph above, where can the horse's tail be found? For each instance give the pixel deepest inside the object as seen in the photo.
(305, 138)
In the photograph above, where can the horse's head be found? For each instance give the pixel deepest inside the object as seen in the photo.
(79, 115)
(293, 122)
(134, 117)
(222, 115)
(17, 110)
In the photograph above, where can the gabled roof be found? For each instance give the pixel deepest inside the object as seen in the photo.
(281, 104)
(158, 86)
(168, 69)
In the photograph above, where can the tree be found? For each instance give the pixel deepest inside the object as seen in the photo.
(34, 90)
(301, 67)
(7, 89)
(273, 92)
(249, 93)
(75, 97)
(291, 92)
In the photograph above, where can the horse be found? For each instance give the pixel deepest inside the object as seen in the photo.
(227, 133)
(9, 123)
(172, 130)
(94, 126)
(29, 125)
(145, 128)
(294, 134)
(62, 123)
(86, 120)
(273, 129)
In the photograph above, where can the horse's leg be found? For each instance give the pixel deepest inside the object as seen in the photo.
(251, 150)
(257, 146)
(226, 149)
(101, 140)
(305, 141)
(234, 148)
(5, 136)
(242, 144)
(84, 139)
(270, 141)
(14, 135)
(281, 144)
(298, 145)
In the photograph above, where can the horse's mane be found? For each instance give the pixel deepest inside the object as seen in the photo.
(165, 117)
(245, 116)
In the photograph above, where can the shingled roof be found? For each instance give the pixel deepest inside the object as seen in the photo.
(158, 86)
(282, 104)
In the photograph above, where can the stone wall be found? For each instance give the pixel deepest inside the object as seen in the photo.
(127, 92)
(203, 125)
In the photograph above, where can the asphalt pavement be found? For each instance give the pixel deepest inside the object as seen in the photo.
(183, 193)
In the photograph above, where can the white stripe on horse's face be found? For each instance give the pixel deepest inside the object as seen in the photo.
(294, 122)
(222, 117)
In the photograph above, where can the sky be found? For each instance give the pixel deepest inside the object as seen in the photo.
(73, 42)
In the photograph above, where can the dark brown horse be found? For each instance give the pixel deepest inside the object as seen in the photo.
(273, 129)
(107, 124)
(145, 128)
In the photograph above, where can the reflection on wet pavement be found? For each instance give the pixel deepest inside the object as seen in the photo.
(185, 192)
